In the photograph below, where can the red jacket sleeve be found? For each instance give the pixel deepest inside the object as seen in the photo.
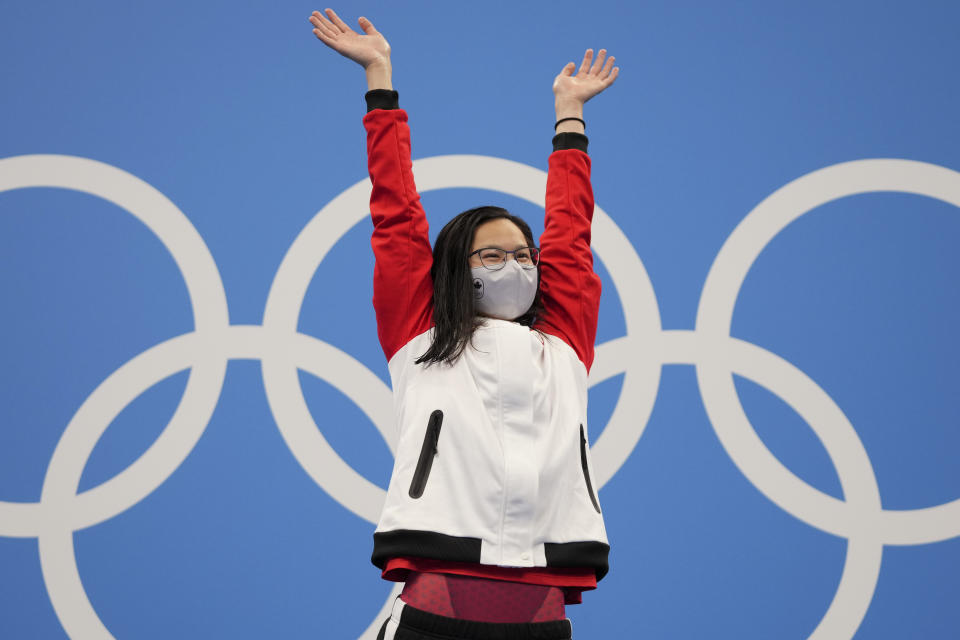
(569, 288)
(402, 287)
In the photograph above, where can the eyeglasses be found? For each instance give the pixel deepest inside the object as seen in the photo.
(493, 258)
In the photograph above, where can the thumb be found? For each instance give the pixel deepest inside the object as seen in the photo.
(567, 69)
(367, 26)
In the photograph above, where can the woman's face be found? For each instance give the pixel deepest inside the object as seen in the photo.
(499, 233)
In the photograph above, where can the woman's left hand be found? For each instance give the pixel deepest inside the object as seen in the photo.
(593, 77)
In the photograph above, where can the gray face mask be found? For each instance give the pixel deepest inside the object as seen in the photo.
(506, 293)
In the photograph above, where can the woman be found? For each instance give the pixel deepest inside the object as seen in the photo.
(491, 519)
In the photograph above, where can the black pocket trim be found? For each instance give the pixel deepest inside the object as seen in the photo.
(586, 472)
(427, 452)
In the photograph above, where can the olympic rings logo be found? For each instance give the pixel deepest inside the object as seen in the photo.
(709, 348)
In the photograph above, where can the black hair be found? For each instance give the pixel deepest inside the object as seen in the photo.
(454, 314)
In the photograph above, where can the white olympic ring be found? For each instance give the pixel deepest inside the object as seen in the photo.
(639, 355)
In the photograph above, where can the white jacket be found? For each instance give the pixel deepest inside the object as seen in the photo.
(492, 452)
(492, 464)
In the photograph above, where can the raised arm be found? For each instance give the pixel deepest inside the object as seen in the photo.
(402, 287)
(570, 289)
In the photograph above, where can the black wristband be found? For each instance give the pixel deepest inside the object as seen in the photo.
(382, 99)
(580, 120)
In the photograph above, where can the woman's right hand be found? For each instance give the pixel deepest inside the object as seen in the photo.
(371, 49)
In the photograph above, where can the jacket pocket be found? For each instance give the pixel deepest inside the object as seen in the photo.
(586, 471)
(427, 452)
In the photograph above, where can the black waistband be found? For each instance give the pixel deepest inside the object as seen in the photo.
(426, 622)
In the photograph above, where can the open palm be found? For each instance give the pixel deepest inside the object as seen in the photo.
(593, 77)
(363, 49)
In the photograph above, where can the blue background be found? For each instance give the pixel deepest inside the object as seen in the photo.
(250, 125)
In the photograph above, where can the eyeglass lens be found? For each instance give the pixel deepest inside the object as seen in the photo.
(496, 258)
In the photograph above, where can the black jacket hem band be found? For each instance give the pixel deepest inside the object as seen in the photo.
(438, 546)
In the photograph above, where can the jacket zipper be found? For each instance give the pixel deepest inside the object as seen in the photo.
(427, 452)
(586, 472)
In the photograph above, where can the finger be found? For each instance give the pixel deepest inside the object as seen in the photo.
(598, 62)
(328, 30)
(367, 26)
(341, 25)
(324, 38)
(324, 23)
(613, 76)
(585, 65)
(607, 67)
(567, 69)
